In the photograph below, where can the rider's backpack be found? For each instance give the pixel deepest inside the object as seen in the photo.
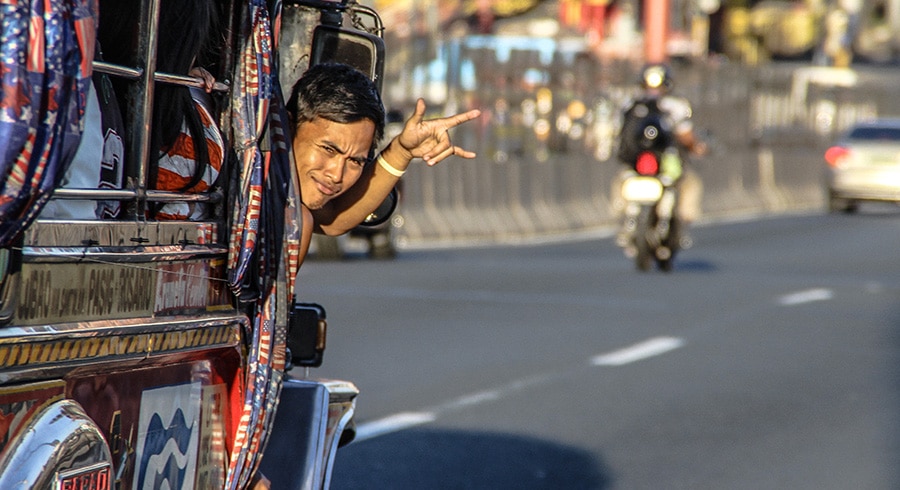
(643, 129)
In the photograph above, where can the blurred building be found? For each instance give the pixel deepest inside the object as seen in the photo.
(827, 32)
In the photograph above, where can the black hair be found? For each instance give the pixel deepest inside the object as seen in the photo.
(338, 93)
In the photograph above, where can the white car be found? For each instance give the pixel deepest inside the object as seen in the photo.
(864, 165)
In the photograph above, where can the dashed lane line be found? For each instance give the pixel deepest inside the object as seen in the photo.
(392, 423)
(638, 352)
(806, 296)
(643, 350)
(405, 420)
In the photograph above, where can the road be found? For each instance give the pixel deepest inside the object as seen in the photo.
(770, 358)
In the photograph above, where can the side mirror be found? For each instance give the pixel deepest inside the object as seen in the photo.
(306, 335)
(384, 210)
(359, 49)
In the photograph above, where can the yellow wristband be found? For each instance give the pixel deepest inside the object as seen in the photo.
(396, 172)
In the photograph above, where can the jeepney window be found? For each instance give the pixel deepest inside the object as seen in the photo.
(170, 171)
(186, 149)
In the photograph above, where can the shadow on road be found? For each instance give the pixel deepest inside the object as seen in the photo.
(443, 459)
(695, 265)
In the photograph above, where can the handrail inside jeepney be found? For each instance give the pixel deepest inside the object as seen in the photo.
(356, 9)
(127, 194)
(319, 4)
(118, 70)
(187, 81)
(148, 194)
(352, 6)
(135, 74)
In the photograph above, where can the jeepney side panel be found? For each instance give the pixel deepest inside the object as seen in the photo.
(168, 421)
(142, 339)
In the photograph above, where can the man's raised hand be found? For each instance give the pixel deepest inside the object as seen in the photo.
(430, 139)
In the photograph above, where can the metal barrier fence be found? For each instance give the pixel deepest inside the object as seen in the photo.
(546, 142)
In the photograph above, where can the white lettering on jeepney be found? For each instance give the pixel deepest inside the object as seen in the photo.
(182, 286)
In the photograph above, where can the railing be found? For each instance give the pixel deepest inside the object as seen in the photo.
(549, 173)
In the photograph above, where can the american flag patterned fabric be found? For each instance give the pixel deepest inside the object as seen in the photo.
(178, 163)
(265, 238)
(46, 51)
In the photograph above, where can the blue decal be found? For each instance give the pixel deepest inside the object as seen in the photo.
(167, 438)
(158, 437)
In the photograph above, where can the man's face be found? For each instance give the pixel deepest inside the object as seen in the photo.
(330, 157)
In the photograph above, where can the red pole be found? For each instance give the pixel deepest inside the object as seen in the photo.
(656, 30)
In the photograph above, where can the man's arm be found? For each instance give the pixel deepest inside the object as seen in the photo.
(349, 209)
(429, 140)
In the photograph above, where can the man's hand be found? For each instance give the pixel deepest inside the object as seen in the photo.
(430, 140)
(420, 138)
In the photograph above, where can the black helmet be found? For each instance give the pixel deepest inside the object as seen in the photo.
(656, 76)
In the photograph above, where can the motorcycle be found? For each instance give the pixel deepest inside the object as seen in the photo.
(651, 228)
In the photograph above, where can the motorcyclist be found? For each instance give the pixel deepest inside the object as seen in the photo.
(675, 112)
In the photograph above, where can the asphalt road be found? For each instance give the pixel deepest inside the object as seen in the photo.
(770, 358)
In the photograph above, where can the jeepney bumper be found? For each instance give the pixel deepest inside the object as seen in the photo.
(313, 418)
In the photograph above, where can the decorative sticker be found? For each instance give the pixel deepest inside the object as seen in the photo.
(182, 286)
(168, 434)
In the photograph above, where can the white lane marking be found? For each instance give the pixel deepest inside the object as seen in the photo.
(643, 350)
(486, 396)
(406, 420)
(807, 296)
(392, 423)
(473, 399)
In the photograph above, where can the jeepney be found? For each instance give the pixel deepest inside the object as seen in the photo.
(145, 354)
